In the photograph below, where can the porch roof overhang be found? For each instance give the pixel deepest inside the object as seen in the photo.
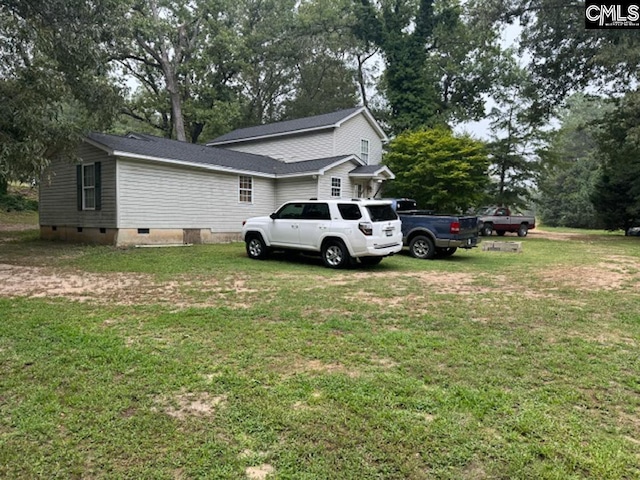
(372, 172)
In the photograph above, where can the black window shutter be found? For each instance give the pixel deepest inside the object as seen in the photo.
(79, 185)
(98, 171)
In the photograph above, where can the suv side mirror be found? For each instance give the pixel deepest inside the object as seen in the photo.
(273, 216)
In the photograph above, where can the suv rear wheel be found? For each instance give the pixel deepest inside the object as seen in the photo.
(335, 254)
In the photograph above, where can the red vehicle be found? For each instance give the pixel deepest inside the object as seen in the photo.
(502, 220)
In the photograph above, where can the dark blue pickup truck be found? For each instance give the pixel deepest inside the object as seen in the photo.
(430, 235)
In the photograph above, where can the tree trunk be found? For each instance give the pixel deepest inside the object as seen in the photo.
(361, 81)
(176, 100)
(4, 185)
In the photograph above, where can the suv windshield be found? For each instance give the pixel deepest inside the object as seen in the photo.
(381, 213)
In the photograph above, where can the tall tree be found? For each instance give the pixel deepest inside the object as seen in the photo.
(184, 55)
(571, 165)
(324, 80)
(440, 170)
(53, 81)
(269, 53)
(438, 58)
(515, 139)
(616, 195)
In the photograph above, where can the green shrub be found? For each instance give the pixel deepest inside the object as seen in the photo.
(17, 203)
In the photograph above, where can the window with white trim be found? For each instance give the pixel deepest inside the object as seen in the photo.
(245, 189)
(364, 150)
(89, 186)
(336, 187)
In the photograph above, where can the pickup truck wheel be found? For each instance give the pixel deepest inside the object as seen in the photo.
(370, 260)
(256, 248)
(487, 230)
(422, 247)
(523, 230)
(445, 252)
(335, 254)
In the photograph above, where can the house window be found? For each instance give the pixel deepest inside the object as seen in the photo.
(245, 189)
(364, 151)
(89, 187)
(336, 187)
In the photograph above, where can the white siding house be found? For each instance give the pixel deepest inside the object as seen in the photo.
(141, 189)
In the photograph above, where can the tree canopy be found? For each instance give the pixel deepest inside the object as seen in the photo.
(439, 61)
(440, 170)
(53, 84)
(616, 195)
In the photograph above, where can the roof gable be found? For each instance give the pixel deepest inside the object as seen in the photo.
(297, 126)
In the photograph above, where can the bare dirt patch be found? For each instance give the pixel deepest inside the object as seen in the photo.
(183, 405)
(614, 273)
(564, 236)
(261, 472)
(18, 227)
(116, 288)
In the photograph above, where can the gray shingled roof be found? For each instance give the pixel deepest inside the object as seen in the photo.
(172, 150)
(326, 120)
(367, 169)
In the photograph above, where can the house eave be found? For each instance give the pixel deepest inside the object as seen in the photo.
(216, 168)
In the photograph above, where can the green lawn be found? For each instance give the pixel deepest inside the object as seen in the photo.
(197, 362)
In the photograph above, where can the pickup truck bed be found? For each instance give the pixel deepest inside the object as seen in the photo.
(428, 235)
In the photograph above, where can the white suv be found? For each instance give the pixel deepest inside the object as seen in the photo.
(340, 230)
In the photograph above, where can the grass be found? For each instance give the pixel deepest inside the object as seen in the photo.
(27, 217)
(204, 363)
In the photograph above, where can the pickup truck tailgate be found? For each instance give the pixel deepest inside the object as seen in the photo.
(468, 226)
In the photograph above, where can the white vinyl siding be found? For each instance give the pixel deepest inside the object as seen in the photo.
(58, 203)
(164, 196)
(346, 185)
(350, 135)
(293, 148)
(295, 189)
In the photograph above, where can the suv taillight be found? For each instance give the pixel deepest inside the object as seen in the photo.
(366, 228)
(454, 227)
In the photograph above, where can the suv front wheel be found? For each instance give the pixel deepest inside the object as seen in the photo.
(335, 254)
(256, 248)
